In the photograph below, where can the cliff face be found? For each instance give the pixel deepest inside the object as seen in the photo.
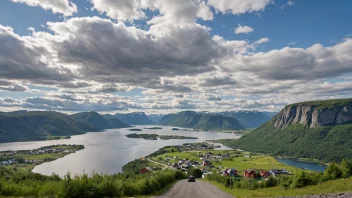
(313, 115)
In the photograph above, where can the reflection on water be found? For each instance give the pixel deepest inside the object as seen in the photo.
(108, 151)
(301, 164)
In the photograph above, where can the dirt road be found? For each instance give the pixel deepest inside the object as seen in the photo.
(164, 165)
(198, 189)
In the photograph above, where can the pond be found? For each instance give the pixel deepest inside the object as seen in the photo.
(302, 164)
(106, 152)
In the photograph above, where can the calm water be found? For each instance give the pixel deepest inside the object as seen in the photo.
(301, 164)
(108, 151)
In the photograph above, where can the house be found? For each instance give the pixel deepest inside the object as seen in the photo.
(264, 173)
(274, 172)
(232, 172)
(250, 173)
(206, 163)
(229, 172)
(146, 170)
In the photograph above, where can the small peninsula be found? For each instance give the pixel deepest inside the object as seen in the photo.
(155, 136)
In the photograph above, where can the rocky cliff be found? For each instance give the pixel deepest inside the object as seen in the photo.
(314, 114)
(317, 129)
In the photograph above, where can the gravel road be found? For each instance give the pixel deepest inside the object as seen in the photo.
(198, 189)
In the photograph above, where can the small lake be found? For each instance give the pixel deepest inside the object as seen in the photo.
(106, 152)
(302, 164)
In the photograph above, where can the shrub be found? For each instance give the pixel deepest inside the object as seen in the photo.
(332, 172)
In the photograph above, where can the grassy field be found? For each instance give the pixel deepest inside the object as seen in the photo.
(237, 160)
(334, 186)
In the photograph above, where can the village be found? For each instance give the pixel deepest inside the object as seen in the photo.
(36, 156)
(227, 163)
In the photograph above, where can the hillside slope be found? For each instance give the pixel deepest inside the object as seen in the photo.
(155, 117)
(98, 121)
(137, 118)
(25, 126)
(316, 129)
(250, 119)
(191, 119)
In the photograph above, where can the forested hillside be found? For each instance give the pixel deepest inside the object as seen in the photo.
(39, 125)
(249, 119)
(98, 121)
(204, 121)
(25, 126)
(317, 129)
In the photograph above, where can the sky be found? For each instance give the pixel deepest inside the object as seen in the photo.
(159, 56)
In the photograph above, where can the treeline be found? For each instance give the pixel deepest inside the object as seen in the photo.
(299, 180)
(135, 166)
(97, 185)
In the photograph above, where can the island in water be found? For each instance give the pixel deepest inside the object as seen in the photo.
(135, 129)
(58, 137)
(156, 136)
(153, 128)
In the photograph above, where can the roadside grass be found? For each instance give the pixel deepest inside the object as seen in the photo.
(333, 186)
(160, 192)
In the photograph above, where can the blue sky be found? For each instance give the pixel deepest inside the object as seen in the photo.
(263, 69)
(305, 22)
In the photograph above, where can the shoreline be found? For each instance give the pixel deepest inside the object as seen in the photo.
(22, 154)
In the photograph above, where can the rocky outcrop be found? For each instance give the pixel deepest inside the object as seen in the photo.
(314, 115)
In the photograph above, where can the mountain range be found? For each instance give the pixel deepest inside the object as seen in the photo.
(249, 119)
(136, 118)
(38, 125)
(199, 120)
(155, 117)
(315, 129)
(98, 121)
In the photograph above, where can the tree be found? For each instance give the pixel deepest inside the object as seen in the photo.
(197, 173)
(332, 172)
(190, 171)
(346, 168)
(301, 180)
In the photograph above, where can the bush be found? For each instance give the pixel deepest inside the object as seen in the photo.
(346, 168)
(197, 173)
(332, 172)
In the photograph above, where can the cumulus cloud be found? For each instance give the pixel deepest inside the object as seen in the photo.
(287, 63)
(23, 59)
(237, 7)
(176, 62)
(65, 7)
(130, 55)
(120, 9)
(175, 10)
(243, 29)
(12, 86)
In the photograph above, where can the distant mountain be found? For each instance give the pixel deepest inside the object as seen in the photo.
(98, 121)
(137, 118)
(37, 125)
(250, 119)
(270, 114)
(117, 123)
(192, 119)
(155, 117)
(315, 129)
